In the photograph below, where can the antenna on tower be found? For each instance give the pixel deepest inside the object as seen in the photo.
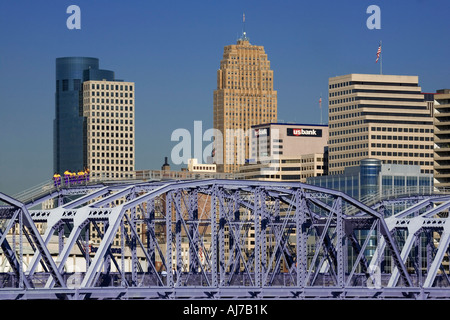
(244, 33)
(320, 106)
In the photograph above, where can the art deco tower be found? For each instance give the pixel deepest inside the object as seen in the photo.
(244, 97)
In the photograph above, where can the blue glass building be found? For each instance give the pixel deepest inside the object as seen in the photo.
(372, 180)
(68, 131)
(373, 177)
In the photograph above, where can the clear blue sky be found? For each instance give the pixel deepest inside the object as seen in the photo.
(172, 50)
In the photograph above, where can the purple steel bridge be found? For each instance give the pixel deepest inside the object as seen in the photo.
(222, 239)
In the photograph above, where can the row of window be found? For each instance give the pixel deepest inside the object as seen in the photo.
(107, 94)
(112, 114)
(340, 93)
(404, 154)
(369, 83)
(345, 116)
(339, 85)
(238, 85)
(349, 147)
(209, 168)
(252, 99)
(117, 121)
(343, 164)
(103, 161)
(111, 141)
(400, 129)
(111, 108)
(114, 101)
(344, 108)
(247, 67)
(348, 155)
(399, 146)
(112, 128)
(120, 148)
(351, 131)
(106, 134)
(247, 78)
(121, 87)
(247, 74)
(233, 57)
(248, 114)
(339, 101)
(400, 138)
(111, 168)
(305, 160)
(346, 124)
(249, 95)
(305, 168)
(247, 63)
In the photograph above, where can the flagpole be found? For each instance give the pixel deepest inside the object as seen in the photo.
(320, 106)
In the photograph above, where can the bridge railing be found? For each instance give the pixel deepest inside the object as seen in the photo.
(35, 191)
(400, 192)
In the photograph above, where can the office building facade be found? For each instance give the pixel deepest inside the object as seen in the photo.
(244, 97)
(94, 120)
(379, 116)
(68, 123)
(108, 109)
(442, 138)
(283, 152)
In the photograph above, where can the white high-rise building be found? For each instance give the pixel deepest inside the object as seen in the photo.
(109, 109)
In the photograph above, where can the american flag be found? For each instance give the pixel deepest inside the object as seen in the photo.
(378, 53)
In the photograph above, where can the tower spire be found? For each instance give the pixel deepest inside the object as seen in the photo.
(244, 33)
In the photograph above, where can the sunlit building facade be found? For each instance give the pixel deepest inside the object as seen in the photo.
(379, 116)
(244, 97)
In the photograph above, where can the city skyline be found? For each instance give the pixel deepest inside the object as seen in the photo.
(172, 53)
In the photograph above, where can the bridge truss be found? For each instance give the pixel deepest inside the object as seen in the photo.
(222, 239)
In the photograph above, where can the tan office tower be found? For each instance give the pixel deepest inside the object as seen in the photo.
(379, 116)
(244, 97)
(442, 138)
(109, 129)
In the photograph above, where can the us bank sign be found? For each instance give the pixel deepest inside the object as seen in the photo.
(300, 132)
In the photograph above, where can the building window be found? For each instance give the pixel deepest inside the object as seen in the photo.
(77, 84)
